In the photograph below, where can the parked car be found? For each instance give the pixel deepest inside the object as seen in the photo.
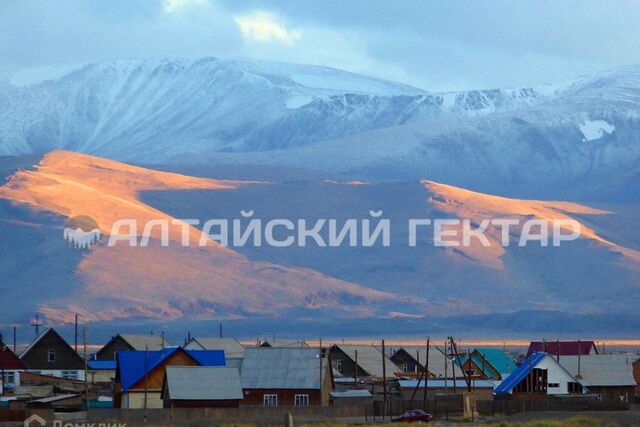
(415, 416)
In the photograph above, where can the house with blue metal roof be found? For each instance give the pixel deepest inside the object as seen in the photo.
(140, 374)
(489, 363)
(540, 373)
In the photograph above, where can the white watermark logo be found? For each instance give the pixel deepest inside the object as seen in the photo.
(81, 232)
(365, 232)
(34, 420)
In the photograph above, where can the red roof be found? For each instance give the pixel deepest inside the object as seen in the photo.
(8, 359)
(566, 348)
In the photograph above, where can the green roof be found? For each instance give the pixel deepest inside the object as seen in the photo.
(498, 359)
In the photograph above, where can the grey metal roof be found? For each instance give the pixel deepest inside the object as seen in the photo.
(369, 359)
(232, 348)
(149, 342)
(54, 398)
(282, 368)
(437, 360)
(601, 369)
(350, 393)
(203, 383)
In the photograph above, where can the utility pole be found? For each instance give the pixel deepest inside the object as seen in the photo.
(320, 357)
(426, 375)
(3, 345)
(384, 381)
(14, 339)
(75, 341)
(86, 385)
(356, 370)
(146, 380)
(446, 365)
(220, 329)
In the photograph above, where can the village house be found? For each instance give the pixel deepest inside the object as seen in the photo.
(351, 398)
(201, 387)
(487, 364)
(50, 354)
(411, 361)
(122, 342)
(360, 361)
(140, 374)
(285, 377)
(233, 349)
(608, 375)
(636, 375)
(563, 348)
(540, 374)
(10, 367)
(101, 371)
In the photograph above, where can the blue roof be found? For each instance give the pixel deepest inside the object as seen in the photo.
(101, 364)
(519, 374)
(131, 364)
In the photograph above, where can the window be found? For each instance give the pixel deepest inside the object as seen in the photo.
(405, 367)
(553, 385)
(72, 375)
(339, 365)
(471, 372)
(51, 355)
(9, 378)
(302, 400)
(270, 400)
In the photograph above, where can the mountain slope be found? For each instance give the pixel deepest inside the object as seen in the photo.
(153, 281)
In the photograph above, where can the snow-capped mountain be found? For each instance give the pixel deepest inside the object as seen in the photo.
(582, 132)
(154, 109)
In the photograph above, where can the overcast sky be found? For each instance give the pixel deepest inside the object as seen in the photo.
(435, 45)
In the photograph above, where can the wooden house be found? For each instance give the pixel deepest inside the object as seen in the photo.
(411, 361)
(122, 342)
(285, 377)
(361, 361)
(50, 354)
(140, 374)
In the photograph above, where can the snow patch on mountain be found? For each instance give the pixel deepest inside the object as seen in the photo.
(595, 129)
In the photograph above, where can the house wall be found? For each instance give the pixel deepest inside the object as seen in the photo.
(636, 375)
(234, 403)
(286, 397)
(401, 357)
(65, 357)
(555, 374)
(348, 366)
(108, 352)
(135, 400)
(614, 393)
(78, 373)
(101, 376)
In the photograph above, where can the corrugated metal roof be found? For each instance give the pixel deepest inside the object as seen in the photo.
(350, 393)
(131, 364)
(498, 359)
(601, 369)
(203, 383)
(563, 348)
(281, 368)
(437, 359)
(150, 342)
(369, 359)
(232, 348)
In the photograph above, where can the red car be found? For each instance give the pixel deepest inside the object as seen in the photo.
(415, 416)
